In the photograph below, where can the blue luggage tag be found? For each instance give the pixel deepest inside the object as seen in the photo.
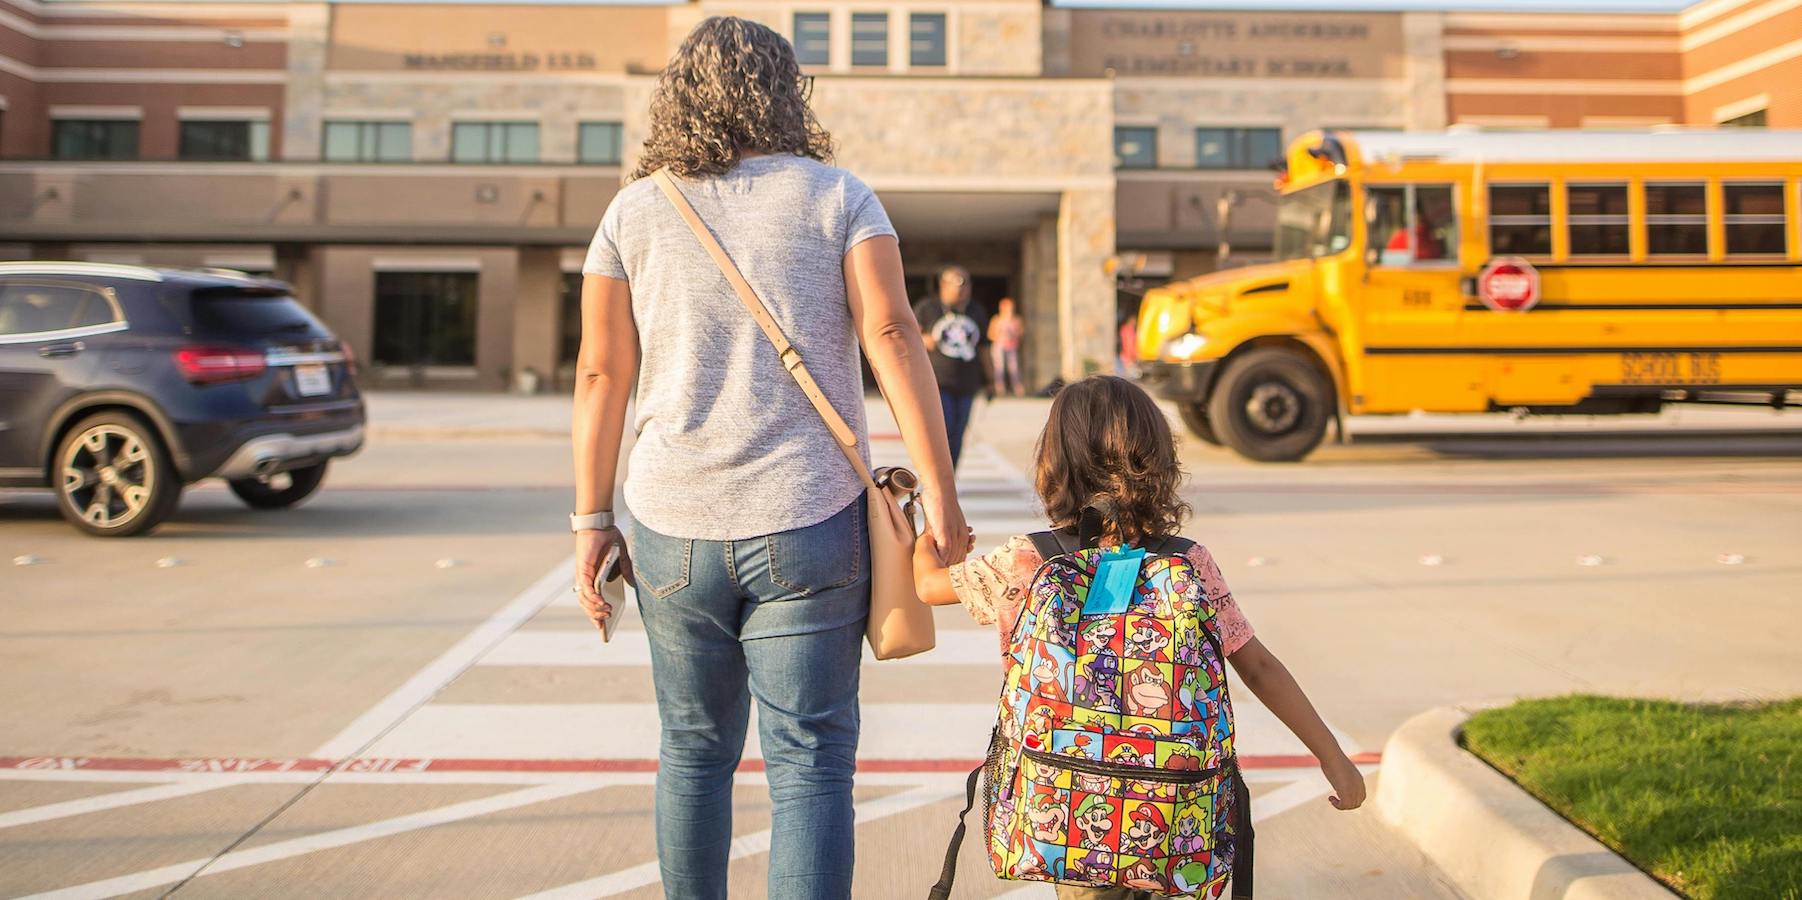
(1116, 575)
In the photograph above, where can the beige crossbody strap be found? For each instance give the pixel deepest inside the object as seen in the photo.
(791, 358)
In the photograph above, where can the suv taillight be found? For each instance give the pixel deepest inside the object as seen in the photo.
(350, 359)
(210, 365)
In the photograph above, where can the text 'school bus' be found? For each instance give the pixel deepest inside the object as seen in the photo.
(1555, 272)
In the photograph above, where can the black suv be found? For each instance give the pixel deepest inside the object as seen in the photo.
(121, 384)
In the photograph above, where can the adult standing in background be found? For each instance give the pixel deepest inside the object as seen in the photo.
(956, 332)
(750, 547)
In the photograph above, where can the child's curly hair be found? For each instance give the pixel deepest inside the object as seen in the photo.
(1107, 445)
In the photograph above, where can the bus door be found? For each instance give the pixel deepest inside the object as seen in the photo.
(1410, 299)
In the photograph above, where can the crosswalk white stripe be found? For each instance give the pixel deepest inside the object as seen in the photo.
(113, 800)
(897, 731)
(324, 840)
(567, 647)
(646, 873)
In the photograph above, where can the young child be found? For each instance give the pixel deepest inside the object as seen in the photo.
(1006, 330)
(1107, 445)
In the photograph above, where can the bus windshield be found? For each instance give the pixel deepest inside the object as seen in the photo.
(1314, 221)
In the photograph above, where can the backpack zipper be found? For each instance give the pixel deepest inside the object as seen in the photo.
(1115, 770)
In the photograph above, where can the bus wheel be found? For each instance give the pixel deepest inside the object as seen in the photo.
(1271, 405)
(1195, 415)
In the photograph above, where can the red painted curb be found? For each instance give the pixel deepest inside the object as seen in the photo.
(240, 765)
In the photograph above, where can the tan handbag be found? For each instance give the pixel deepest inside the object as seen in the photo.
(900, 624)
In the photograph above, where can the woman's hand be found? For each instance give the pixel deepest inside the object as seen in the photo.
(945, 521)
(1347, 782)
(592, 547)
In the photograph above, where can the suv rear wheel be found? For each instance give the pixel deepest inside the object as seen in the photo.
(114, 477)
(281, 490)
(1271, 405)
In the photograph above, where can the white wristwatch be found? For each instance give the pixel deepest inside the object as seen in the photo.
(594, 521)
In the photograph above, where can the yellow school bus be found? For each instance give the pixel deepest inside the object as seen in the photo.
(1550, 272)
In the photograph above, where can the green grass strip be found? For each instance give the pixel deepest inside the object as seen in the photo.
(1706, 797)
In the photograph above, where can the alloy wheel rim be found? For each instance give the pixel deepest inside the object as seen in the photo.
(107, 476)
(1274, 407)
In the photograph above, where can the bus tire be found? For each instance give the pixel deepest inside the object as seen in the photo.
(1195, 416)
(1271, 405)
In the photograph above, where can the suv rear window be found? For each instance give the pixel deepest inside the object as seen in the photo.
(250, 313)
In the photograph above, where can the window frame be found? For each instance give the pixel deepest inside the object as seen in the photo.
(1411, 200)
(1237, 140)
(824, 17)
(365, 130)
(489, 127)
(137, 137)
(618, 140)
(1624, 219)
(868, 17)
(118, 322)
(1151, 131)
(944, 40)
(251, 140)
(1780, 219)
(1693, 219)
(1492, 220)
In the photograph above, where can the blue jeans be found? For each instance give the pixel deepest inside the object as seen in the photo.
(957, 418)
(779, 618)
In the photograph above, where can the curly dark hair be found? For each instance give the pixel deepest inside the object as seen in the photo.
(1107, 445)
(733, 86)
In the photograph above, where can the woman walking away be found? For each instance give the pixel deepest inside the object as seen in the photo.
(749, 546)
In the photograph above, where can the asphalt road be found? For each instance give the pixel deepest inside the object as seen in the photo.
(387, 692)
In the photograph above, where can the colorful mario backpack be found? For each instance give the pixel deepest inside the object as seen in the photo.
(1111, 763)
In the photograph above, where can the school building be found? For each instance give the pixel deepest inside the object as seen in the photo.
(427, 174)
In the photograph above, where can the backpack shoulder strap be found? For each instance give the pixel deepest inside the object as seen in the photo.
(1171, 545)
(1049, 544)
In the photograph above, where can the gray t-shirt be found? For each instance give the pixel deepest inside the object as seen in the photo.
(728, 447)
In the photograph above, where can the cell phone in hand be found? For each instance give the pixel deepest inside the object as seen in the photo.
(607, 586)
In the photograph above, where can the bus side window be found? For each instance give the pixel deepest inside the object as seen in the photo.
(1412, 224)
(1386, 213)
(1676, 220)
(1598, 219)
(1520, 220)
(1754, 219)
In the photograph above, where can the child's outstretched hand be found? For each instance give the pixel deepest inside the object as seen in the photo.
(1347, 782)
(930, 579)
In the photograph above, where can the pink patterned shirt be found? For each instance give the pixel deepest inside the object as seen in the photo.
(993, 588)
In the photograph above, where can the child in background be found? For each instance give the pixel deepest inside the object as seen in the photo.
(1006, 330)
(1107, 445)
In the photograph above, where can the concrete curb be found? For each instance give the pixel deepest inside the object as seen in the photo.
(1491, 838)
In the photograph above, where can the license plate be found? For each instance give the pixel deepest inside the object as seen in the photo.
(312, 379)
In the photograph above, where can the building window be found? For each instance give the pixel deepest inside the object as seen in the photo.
(223, 140)
(569, 337)
(94, 139)
(1598, 219)
(425, 318)
(1237, 148)
(869, 39)
(494, 142)
(1520, 220)
(813, 38)
(1754, 119)
(926, 40)
(368, 141)
(1676, 219)
(1412, 224)
(1754, 218)
(598, 143)
(1135, 148)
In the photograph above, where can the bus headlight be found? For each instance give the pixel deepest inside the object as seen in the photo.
(1183, 347)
